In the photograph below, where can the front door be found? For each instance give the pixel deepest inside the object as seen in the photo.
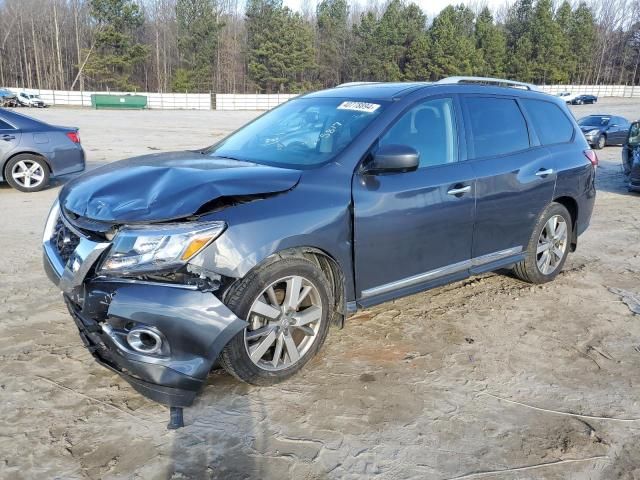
(414, 229)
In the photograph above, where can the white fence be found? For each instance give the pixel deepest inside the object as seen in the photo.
(156, 101)
(239, 101)
(597, 90)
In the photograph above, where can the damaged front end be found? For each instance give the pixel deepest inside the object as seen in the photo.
(144, 314)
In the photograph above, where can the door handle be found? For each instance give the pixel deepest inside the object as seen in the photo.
(544, 172)
(459, 191)
(6, 138)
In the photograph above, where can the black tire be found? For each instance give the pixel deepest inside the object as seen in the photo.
(240, 297)
(601, 142)
(528, 270)
(31, 159)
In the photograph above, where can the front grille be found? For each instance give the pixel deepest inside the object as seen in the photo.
(64, 240)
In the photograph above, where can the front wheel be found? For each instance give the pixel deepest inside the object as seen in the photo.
(548, 246)
(287, 305)
(601, 142)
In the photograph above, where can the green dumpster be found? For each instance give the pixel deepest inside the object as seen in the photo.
(118, 101)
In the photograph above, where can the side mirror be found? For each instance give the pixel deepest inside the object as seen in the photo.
(393, 159)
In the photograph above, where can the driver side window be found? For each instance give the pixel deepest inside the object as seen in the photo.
(430, 129)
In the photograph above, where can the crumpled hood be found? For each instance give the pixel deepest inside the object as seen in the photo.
(167, 186)
(588, 128)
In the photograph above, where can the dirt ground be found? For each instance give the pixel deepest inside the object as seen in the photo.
(485, 378)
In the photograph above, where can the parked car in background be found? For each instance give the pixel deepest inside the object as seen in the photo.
(631, 157)
(601, 130)
(30, 100)
(567, 96)
(245, 252)
(32, 152)
(7, 98)
(583, 100)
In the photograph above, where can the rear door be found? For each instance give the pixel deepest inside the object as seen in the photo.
(515, 178)
(414, 229)
(9, 139)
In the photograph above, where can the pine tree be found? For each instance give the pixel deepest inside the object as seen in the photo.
(364, 58)
(280, 56)
(452, 43)
(519, 41)
(582, 38)
(333, 35)
(417, 59)
(491, 45)
(547, 45)
(569, 62)
(198, 27)
(116, 52)
(400, 25)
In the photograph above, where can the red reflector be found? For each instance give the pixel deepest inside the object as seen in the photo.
(74, 137)
(591, 155)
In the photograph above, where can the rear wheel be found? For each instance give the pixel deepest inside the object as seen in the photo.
(548, 246)
(287, 305)
(27, 173)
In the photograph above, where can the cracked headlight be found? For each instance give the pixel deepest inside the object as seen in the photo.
(158, 247)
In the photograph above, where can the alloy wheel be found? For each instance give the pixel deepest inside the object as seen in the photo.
(552, 245)
(284, 322)
(28, 174)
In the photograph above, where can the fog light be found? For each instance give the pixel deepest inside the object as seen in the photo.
(144, 340)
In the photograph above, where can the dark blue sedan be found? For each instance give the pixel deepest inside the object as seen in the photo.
(32, 152)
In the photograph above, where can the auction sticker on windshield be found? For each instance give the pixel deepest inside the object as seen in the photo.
(359, 106)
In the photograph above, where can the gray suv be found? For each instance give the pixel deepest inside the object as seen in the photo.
(244, 253)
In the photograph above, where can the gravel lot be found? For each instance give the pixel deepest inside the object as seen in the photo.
(486, 378)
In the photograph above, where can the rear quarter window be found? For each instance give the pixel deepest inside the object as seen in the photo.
(497, 126)
(549, 121)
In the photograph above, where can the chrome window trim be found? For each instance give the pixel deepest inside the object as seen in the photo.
(440, 272)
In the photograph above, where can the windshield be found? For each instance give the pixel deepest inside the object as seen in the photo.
(594, 121)
(302, 133)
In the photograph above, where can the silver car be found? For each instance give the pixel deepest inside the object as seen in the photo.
(32, 152)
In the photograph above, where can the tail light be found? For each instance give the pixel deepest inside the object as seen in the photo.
(592, 157)
(74, 137)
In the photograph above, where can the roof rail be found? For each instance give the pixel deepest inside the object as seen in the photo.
(353, 84)
(499, 82)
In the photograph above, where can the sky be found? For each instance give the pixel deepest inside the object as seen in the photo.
(430, 7)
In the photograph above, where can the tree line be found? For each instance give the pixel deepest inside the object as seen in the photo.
(262, 46)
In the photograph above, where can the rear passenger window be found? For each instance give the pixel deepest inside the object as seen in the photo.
(551, 124)
(5, 126)
(497, 126)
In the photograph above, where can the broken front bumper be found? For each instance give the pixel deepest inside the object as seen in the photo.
(192, 327)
